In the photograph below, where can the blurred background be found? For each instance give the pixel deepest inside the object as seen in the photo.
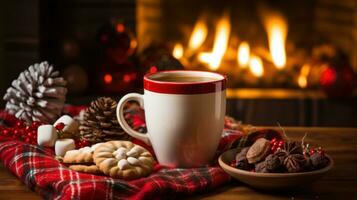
(291, 62)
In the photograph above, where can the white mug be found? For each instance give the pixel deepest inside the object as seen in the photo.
(184, 113)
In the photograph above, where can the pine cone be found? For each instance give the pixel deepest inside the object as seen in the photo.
(100, 123)
(38, 94)
(288, 149)
(294, 163)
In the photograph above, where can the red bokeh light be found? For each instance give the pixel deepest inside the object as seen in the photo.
(120, 28)
(126, 78)
(328, 76)
(153, 69)
(108, 78)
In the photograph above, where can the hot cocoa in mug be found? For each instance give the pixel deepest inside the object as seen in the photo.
(184, 113)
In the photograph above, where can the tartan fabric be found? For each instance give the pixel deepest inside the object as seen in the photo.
(36, 167)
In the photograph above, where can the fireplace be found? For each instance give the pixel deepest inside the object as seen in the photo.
(274, 52)
(259, 44)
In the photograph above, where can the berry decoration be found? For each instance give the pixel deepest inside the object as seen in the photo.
(82, 143)
(22, 132)
(276, 144)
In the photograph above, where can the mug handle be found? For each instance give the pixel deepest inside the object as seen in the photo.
(120, 115)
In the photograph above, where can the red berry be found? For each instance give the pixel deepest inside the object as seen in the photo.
(60, 126)
(29, 134)
(312, 151)
(233, 163)
(19, 124)
(28, 128)
(273, 140)
(36, 124)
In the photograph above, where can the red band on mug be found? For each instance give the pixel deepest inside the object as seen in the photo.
(155, 82)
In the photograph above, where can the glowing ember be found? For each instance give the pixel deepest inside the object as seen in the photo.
(177, 52)
(214, 58)
(198, 36)
(256, 66)
(277, 28)
(243, 54)
(304, 72)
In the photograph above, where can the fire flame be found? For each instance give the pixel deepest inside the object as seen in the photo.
(256, 66)
(214, 58)
(304, 72)
(277, 28)
(177, 52)
(243, 54)
(198, 36)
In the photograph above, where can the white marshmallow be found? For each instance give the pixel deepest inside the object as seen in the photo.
(64, 145)
(70, 125)
(46, 135)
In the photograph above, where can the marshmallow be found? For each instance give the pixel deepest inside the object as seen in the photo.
(64, 145)
(46, 135)
(70, 125)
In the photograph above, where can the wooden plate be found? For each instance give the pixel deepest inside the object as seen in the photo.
(269, 181)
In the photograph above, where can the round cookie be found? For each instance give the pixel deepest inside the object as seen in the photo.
(123, 159)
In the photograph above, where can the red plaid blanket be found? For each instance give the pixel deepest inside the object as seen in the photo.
(41, 172)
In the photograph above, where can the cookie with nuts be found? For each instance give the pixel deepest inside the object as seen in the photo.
(123, 159)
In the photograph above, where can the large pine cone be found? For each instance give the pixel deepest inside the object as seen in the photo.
(38, 94)
(100, 123)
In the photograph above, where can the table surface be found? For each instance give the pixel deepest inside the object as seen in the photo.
(340, 182)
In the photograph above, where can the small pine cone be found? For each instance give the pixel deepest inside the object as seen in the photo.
(294, 163)
(293, 147)
(38, 94)
(100, 123)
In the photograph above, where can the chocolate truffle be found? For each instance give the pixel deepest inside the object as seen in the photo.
(261, 167)
(273, 163)
(242, 154)
(318, 161)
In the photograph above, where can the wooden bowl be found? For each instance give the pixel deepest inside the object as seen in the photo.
(269, 181)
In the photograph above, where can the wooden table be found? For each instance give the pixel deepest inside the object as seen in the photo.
(339, 183)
